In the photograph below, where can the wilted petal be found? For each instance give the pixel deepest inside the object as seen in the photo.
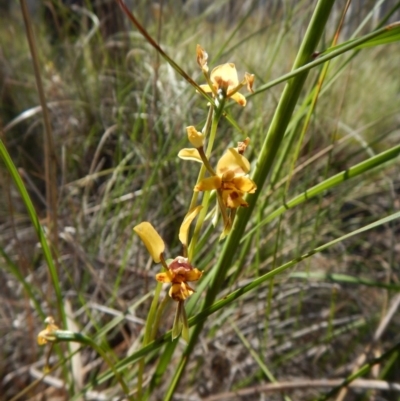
(183, 231)
(232, 160)
(242, 146)
(245, 184)
(166, 277)
(202, 57)
(179, 265)
(151, 239)
(239, 98)
(249, 78)
(208, 184)
(190, 154)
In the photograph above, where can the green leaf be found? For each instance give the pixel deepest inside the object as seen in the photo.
(388, 34)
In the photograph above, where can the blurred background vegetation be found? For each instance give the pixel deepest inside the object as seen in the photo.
(118, 114)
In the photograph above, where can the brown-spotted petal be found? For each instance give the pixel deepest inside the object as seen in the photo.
(166, 277)
(151, 239)
(225, 76)
(180, 292)
(184, 230)
(234, 199)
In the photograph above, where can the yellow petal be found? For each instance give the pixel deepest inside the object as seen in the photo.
(151, 239)
(206, 88)
(180, 292)
(239, 98)
(196, 138)
(233, 199)
(41, 338)
(166, 277)
(193, 275)
(183, 231)
(208, 184)
(190, 154)
(225, 76)
(245, 184)
(46, 335)
(232, 160)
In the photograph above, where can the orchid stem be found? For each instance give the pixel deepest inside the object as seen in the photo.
(206, 196)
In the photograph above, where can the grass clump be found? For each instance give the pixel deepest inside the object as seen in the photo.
(295, 283)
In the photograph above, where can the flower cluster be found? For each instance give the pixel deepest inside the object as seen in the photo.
(179, 271)
(229, 181)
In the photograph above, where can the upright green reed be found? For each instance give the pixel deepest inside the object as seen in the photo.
(227, 202)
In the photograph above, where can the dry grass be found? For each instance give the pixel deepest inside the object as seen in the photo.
(118, 115)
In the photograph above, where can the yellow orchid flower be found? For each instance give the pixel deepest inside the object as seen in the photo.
(46, 335)
(225, 78)
(230, 179)
(179, 270)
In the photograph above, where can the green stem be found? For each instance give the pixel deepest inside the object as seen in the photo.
(203, 213)
(150, 323)
(68, 336)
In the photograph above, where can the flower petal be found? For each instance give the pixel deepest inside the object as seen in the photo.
(249, 78)
(206, 88)
(179, 292)
(242, 146)
(245, 184)
(151, 239)
(190, 154)
(193, 275)
(233, 199)
(208, 184)
(225, 76)
(166, 277)
(196, 138)
(202, 57)
(232, 160)
(183, 231)
(46, 335)
(239, 98)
